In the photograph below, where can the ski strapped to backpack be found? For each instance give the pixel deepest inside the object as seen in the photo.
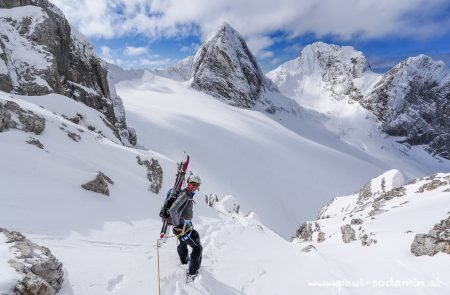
(172, 196)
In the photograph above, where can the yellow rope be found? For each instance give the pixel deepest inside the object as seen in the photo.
(159, 279)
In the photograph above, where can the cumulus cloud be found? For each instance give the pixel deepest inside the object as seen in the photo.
(136, 51)
(257, 19)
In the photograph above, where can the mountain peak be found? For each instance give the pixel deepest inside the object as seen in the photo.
(333, 68)
(323, 57)
(224, 67)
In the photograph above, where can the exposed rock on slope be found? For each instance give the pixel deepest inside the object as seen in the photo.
(99, 184)
(437, 240)
(385, 208)
(225, 68)
(12, 116)
(41, 54)
(40, 271)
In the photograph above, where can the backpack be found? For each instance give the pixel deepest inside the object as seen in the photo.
(170, 199)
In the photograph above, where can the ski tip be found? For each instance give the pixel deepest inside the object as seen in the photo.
(161, 236)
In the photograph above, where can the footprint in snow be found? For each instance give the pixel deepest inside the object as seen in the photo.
(115, 283)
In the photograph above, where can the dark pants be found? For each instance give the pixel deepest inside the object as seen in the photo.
(196, 256)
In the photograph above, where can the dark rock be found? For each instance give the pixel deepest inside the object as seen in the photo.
(211, 199)
(28, 121)
(75, 137)
(356, 221)
(304, 232)
(41, 272)
(437, 240)
(225, 68)
(309, 248)
(99, 184)
(432, 185)
(35, 142)
(321, 237)
(32, 123)
(154, 173)
(348, 233)
(366, 241)
(412, 103)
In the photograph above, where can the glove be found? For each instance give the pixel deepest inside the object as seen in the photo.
(164, 213)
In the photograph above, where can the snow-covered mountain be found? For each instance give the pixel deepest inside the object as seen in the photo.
(84, 228)
(85, 207)
(40, 54)
(225, 68)
(181, 71)
(410, 102)
(324, 71)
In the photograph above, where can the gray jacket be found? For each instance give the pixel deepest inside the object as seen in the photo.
(182, 208)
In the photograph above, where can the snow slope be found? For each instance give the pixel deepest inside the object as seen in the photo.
(275, 171)
(108, 244)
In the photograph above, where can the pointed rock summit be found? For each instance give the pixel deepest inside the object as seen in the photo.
(225, 68)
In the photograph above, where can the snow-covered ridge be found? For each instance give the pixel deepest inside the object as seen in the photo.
(181, 71)
(384, 210)
(321, 67)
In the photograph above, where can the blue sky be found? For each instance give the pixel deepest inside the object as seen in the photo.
(157, 33)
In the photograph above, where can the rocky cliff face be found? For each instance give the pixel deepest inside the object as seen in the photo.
(225, 68)
(412, 101)
(41, 54)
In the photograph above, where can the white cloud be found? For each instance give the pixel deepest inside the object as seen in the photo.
(136, 51)
(257, 45)
(255, 19)
(107, 54)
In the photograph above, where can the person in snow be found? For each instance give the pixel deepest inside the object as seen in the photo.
(181, 215)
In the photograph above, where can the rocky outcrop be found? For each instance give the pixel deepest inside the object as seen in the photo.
(348, 233)
(35, 142)
(412, 102)
(309, 248)
(225, 68)
(433, 182)
(12, 116)
(40, 54)
(41, 273)
(437, 240)
(154, 173)
(304, 232)
(99, 184)
(369, 215)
